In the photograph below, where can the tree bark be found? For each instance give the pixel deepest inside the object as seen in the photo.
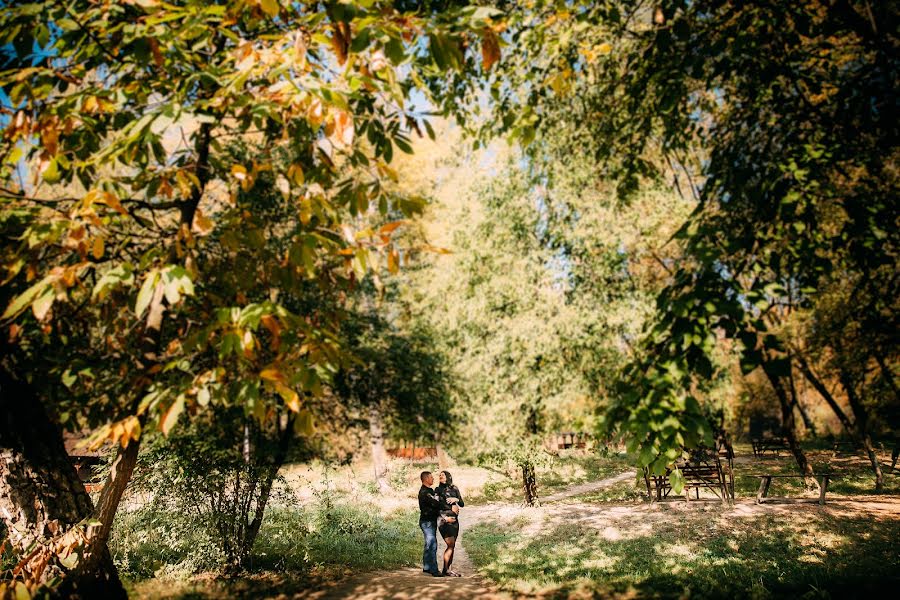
(379, 456)
(529, 484)
(42, 498)
(829, 398)
(862, 426)
(787, 416)
(795, 400)
(888, 375)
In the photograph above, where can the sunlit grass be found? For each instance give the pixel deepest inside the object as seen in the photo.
(696, 553)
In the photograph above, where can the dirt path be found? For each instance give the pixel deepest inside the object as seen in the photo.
(409, 583)
(588, 487)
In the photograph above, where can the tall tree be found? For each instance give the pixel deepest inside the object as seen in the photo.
(120, 117)
(776, 115)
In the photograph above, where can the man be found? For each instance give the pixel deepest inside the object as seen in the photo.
(428, 514)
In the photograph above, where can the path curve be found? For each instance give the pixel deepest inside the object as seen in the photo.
(588, 487)
(410, 582)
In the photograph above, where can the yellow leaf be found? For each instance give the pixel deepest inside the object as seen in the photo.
(315, 114)
(184, 184)
(202, 224)
(604, 48)
(270, 7)
(393, 261)
(171, 415)
(304, 423)
(290, 397)
(239, 172)
(295, 174)
(273, 374)
(98, 248)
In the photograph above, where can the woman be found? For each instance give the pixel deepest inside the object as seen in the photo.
(448, 520)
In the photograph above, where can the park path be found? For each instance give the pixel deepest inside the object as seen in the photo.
(410, 582)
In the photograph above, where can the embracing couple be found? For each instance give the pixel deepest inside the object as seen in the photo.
(439, 511)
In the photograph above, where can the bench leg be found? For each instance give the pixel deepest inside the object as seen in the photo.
(763, 489)
(823, 490)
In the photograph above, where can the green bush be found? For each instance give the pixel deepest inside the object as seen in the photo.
(153, 543)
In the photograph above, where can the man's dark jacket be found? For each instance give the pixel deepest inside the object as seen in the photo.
(428, 504)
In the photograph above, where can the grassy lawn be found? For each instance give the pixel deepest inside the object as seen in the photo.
(854, 472)
(697, 553)
(297, 547)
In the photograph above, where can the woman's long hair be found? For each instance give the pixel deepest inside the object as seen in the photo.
(449, 482)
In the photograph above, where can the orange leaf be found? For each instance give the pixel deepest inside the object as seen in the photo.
(389, 228)
(490, 48)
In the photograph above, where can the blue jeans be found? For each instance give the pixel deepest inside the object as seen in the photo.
(429, 554)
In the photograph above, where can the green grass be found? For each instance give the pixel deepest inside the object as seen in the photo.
(854, 472)
(690, 555)
(166, 556)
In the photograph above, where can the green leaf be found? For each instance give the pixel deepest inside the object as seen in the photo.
(676, 478)
(51, 173)
(429, 129)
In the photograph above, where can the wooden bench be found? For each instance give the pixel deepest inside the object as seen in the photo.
(767, 444)
(696, 476)
(765, 480)
(841, 447)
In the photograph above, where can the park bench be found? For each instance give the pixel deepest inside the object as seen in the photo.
(703, 469)
(767, 435)
(765, 480)
(768, 444)
(564, 440)
(842, 447)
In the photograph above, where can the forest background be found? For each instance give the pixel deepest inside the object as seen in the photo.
(244, 234)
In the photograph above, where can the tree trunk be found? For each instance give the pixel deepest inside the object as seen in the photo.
(42, 498)
(787, 416)
(829, 398)
(277, 461)
(862, 426)
(442, 456)
(379, 456)
(888, 375)
(529, 484)
(795, 400)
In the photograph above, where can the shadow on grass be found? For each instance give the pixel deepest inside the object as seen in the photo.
(690, 555)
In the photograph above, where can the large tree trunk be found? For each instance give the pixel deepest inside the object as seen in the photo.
(862, 426)
(787, 416)
(42, 499)
(379, 456)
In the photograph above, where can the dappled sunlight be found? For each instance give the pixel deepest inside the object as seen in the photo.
(646, 548)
